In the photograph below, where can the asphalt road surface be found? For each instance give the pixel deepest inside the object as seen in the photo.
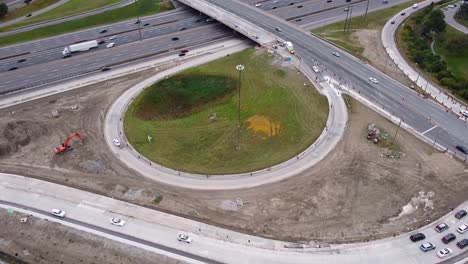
(91, 213)
(42, 52)
(422, 115)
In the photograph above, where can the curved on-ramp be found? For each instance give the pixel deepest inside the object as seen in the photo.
(326, 142)
(388, 39)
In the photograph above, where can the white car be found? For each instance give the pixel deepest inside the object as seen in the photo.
(464, 113)
(58, 212)
(315, 68)
(110, 45)
(112, 38)
(117, 221)
(462, 229)
(451, 6)
(374, 80)
(116, 142)
(444, 252)
(258, 5)
(336, 54)
(184, 238)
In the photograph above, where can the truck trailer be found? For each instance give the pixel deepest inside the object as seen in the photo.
(83, 46)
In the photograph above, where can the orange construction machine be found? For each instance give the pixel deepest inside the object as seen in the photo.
(64, 147)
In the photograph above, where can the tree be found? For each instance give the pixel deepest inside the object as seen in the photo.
(3, 9)
(435, 22)
(457, 44)
(462, 12)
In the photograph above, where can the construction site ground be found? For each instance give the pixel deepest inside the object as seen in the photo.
(59, 244)
(355, 194)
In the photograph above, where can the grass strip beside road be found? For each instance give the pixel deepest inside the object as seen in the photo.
(70, 8)
(143, 8)
(280, 116)
(27, 9)
(375, 20)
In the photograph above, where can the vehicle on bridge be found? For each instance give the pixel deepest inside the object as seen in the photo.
(83, 46)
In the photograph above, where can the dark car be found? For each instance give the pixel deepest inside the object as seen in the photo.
(184, 51)
(449, 238)
(27, 1)
(106, 69)
(460, 214)
(462, 243)
(329, 1)
(417, 237)
(28, 15)
(146, 24)
(347, 1)
(13, 68)
(181, 54)
(462, 149)
(101, 42)
(21, 60)
(403, 14)
(175, 38)
(393, 22)
(182, 29)
(138, 22)
(441, 227)
(103, 31)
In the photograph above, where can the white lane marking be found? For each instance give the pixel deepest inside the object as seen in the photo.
(429, 130)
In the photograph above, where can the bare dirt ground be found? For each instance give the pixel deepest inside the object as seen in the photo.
(355, 194)
(374, 51)
(59, 244)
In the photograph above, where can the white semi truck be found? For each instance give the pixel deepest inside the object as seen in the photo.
(83, 46)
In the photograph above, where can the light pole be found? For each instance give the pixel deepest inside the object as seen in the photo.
(239, 68)
(138, 18)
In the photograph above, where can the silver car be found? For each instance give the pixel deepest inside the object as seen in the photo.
(427, 247)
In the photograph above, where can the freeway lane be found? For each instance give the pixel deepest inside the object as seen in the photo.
(46, 215)
(393, 96)
(47, 49)
(92, 62)
(211, 242)
(147, 32)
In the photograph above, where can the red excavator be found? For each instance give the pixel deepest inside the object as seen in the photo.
(64, 147)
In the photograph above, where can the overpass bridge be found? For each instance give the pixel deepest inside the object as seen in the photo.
(424, 118)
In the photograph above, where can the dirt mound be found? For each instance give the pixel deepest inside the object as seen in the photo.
(18, 133)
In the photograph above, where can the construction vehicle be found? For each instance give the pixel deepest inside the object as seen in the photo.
(64, 147)
(373, 133)
(289, 47)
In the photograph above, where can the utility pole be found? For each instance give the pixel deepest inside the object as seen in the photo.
(138, 18)
(350, 16)
(396, 133)
(239, 68)
(367, 9)
(346, 20)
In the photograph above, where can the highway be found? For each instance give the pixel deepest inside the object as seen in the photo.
(42, 52)
(62, 19)
(422, 115)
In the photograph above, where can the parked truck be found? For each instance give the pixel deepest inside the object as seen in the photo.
(289, 47)
(83, 46)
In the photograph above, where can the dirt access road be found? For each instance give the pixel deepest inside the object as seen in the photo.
(355, 194)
